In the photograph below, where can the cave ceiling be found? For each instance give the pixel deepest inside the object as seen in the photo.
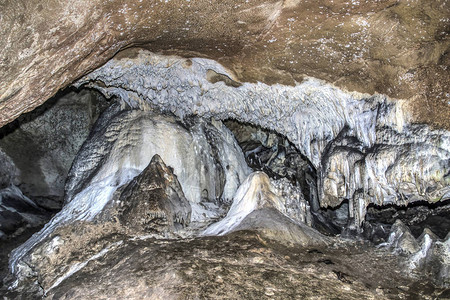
(397, 48)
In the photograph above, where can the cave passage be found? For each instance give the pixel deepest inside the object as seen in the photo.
(104, 161)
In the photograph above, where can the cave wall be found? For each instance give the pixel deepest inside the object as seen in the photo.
(43, 143)
(397, 48)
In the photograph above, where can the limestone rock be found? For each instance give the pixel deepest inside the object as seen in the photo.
(43, 143)
(364, 148)
(153, 202)
(391, 47)
(275, 226)
(8, 171)
(255, 193)
(402, 240)
(256, 207)
(426, 255)
(17, 211)
(207, 163)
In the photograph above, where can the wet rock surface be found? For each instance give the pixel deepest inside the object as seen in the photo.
(366, 149)
(132, 228)
(100, 189)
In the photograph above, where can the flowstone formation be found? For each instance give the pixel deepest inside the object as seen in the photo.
(235, 132)
(365, 148)
(204, 155)
(115, 195)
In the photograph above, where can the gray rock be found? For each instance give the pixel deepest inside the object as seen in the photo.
(43, 143)
(426, 255)
(153, 202)
(274, 225)
(401, 239)
(206, 160)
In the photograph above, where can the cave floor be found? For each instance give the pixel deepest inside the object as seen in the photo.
(242, 265)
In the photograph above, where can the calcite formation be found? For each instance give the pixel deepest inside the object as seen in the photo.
(364, 147)
(427, 253)
(204, 156)
(345, 105)
(122, 195)
(255, 193)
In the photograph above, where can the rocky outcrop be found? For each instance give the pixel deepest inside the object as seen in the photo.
(153, 202)
(427, 254)
(204, 155)
(151, 205)
(43, 143)
(206, 160)
(257, 207)
(255, 193)
(365, 148)
(398, 48)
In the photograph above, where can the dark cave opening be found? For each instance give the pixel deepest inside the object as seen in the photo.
(66, 119)
(36, 153)
(271, 152)
(268, 151)
(417, 216)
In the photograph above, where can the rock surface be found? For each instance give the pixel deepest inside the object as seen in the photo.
(365, 148)
(43, 143)
(206, 161)
(426, 254)
(398, 48)
(258, 206)
(153, 202)
(242, 265)
(17, 212)
(255, 193)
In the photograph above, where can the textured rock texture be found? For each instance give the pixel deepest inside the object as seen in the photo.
(255, 193)
(398, 48)
(242, 265)
(365, 148)
(427, 253)
(43, 143)
(154, 202)
(205, 157)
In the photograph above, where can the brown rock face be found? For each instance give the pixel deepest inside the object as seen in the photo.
(399, 48)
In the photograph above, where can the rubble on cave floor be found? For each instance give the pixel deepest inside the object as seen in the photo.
(242, 265)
